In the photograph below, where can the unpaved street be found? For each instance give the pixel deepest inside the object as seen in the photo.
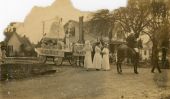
(77, 83)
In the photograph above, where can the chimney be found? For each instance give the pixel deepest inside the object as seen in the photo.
(81, 32)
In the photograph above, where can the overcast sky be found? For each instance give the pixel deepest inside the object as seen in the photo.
(16, 10)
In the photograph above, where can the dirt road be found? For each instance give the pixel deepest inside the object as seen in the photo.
(77, 83)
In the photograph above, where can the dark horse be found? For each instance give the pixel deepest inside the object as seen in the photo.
(124, 51)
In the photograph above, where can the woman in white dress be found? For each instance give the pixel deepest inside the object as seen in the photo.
(97, 57)
(105, 59)
(88, 59)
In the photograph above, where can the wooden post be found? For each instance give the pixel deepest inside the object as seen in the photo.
(81, 32)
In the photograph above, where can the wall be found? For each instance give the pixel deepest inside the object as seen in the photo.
(145, 54)
(14, 41)
(20, 71)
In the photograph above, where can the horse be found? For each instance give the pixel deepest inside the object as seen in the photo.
(124, 51)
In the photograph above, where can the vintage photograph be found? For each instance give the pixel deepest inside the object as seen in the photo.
(60, 52)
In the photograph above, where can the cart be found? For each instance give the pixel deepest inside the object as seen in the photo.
(74, 56)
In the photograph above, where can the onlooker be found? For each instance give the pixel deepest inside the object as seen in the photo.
(105, 59)
(88, 59)
(97, 57)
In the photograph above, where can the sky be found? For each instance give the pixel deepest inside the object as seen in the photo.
(17, 10)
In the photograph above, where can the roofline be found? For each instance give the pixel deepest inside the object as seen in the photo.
(16, 35)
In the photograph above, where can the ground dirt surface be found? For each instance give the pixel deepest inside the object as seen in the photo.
(77, 83)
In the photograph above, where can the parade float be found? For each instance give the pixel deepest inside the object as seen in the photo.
(56, 46)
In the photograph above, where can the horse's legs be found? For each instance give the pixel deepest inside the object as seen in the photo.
(135, 61)
(135, 67)
(118, 65)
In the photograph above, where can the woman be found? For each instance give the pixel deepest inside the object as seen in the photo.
(105, 60)
(97, 57)
(88, 59)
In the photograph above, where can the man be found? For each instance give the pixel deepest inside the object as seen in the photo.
(164, 48)
(156, 66)
(132, 42)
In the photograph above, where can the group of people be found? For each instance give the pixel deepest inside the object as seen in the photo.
(101, 57)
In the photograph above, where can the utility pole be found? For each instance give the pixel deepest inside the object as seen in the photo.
(43, 27)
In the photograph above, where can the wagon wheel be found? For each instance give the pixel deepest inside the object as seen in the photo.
(42, 59)
(69, 57)
(58, 61)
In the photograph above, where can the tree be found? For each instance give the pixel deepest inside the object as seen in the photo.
(9, 30)
(146, 16)
(158, 28)
(102, 23)
(133, 17)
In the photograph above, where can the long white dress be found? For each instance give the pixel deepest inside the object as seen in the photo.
(105, 59)
(97, 61)
(88, 59)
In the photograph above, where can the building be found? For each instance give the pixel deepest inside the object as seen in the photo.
(71, 28)
(13, 44)
(17, 45)
(146, 51)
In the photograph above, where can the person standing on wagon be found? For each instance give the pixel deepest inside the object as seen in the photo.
(88, 59)
(97, 57)
(105, 59)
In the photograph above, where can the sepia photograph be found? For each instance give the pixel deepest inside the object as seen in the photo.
(82, 49)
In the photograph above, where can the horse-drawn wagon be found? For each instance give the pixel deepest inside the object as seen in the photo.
(58, 52)
(57, 46)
